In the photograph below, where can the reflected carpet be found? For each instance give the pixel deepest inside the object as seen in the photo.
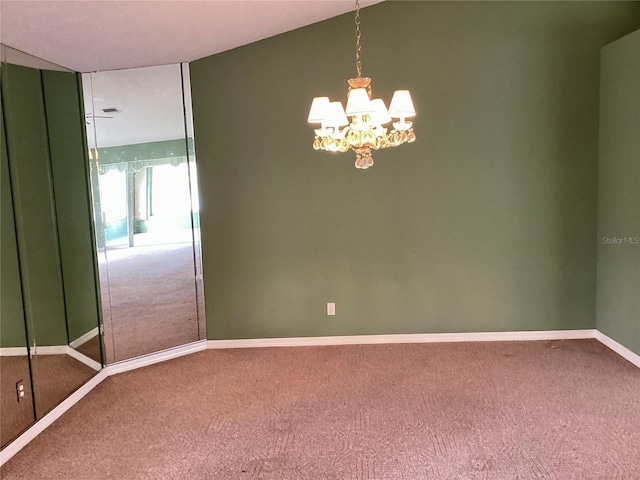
(55, 377)
(152, 294)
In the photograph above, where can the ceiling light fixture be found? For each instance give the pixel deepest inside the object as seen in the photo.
(366, 130)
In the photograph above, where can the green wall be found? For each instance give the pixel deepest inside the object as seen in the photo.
(486, 223)
(618, 299)
(12, 326)
(46, 158)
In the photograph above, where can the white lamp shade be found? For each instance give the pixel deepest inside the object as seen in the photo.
(336, 116)
(401, 105)
(358, 102)
(319, 110)
(380, 115)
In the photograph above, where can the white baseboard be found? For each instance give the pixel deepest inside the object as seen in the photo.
(404, 338)
(620, 349)
(37, 350)
(84, 338)
(158, 357)
(13, 351)
(33, 431)
(49, 350)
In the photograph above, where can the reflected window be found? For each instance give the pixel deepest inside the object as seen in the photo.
(113, 186)
(145, 208)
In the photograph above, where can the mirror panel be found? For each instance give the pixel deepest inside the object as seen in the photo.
(195, 199)
(145, 209)
(45, 182)
(17, 411)
(69, 175)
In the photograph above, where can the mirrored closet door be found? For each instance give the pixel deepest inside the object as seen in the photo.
(49, 337)
(145, 203)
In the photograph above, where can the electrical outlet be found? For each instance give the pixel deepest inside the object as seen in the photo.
(20, 390)
(331, 308)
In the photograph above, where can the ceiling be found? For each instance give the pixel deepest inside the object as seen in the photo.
(95, 35)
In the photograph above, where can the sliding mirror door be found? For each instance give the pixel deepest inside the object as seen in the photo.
(50, 310)
(145, 208)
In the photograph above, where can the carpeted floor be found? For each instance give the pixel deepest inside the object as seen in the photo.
(518, 410)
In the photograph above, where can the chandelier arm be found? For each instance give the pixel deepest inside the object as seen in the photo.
(365, 130)
(358, 47)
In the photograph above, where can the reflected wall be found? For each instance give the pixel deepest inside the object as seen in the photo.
(146, 218)
(17, 412)
(50, 341)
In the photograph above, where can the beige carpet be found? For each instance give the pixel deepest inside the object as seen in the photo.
(521, 410)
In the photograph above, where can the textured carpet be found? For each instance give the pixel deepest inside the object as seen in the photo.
(152, 293)
(519, 410)
(55, 377)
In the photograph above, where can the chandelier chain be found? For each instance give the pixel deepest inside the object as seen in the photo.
(363, 126)
(358, 47)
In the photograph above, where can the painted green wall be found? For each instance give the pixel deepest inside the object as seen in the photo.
(46, 156)
(12, 326)
(486, 223)
(64, 111)
(618, 299)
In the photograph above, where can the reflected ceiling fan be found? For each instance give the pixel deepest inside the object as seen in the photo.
(89, 116)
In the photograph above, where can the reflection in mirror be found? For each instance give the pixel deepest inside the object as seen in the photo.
(195, 198)
(15, 377)
(145, 209)
(48, 260)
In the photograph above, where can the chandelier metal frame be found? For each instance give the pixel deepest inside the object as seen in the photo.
(365, 130)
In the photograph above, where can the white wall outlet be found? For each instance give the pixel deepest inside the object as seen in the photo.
(20, 390)
(331, 308)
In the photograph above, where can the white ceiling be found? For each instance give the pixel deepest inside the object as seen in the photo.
(94, 35)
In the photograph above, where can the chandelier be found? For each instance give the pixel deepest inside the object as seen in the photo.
(364, 118)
